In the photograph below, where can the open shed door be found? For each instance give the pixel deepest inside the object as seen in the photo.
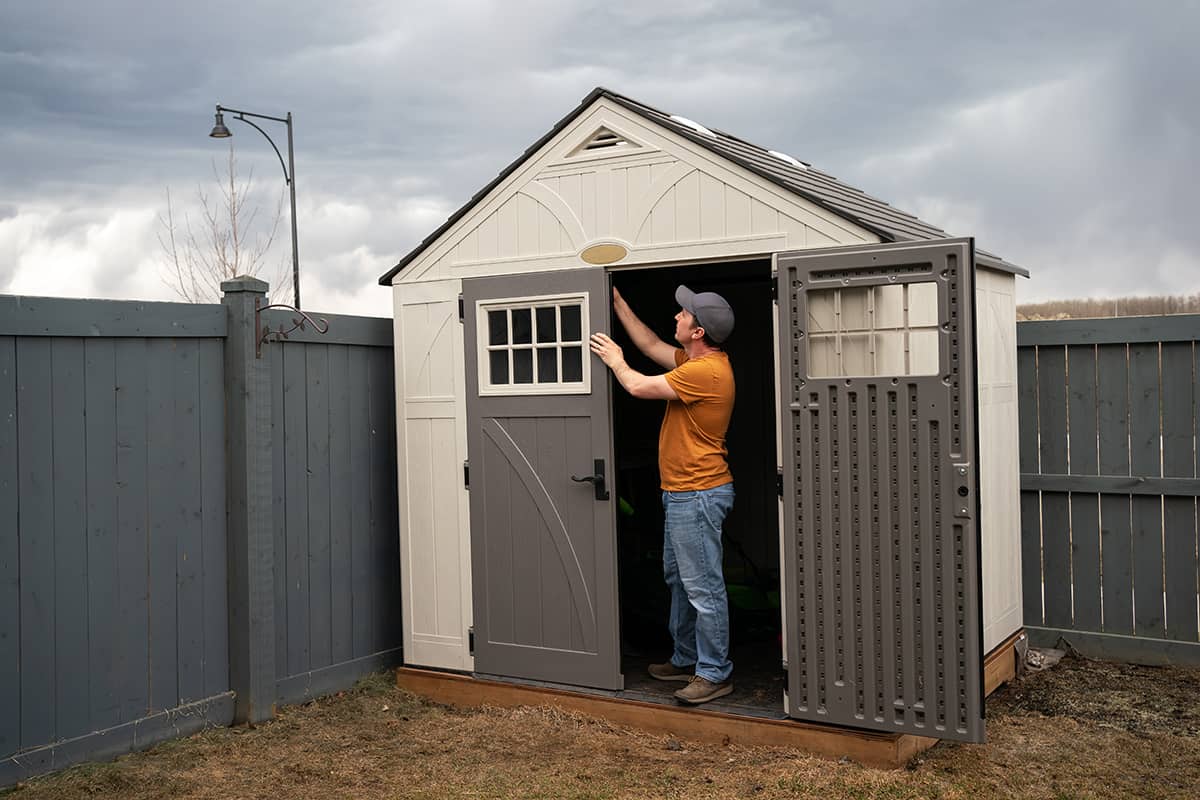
(880, 498)
(539, 443)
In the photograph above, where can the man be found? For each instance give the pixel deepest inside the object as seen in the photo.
(696, 482)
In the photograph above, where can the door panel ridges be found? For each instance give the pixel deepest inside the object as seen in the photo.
(896, 607)
(876, 563)
(955, 362)
(960, 615)
(818, 536)
(917, 699)
(938, 610)
(856, 585)
(837, 606)
(802, 699)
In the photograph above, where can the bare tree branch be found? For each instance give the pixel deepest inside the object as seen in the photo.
(229, 240)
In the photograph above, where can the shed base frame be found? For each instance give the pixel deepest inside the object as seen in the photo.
(881, 750)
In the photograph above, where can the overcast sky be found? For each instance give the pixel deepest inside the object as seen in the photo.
(1065, 136)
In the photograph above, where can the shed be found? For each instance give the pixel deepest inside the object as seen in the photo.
(874, 547)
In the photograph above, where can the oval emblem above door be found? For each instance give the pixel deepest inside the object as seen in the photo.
(606, 253)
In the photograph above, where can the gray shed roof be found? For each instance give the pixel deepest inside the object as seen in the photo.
(889, 223)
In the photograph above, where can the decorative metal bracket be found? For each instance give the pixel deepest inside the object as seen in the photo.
(263, 333)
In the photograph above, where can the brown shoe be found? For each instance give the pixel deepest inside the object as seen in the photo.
(701, 690)
(670, 672)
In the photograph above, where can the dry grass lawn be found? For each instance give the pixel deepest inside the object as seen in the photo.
(1082, 729)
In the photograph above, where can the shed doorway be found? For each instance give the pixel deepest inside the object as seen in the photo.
(751, 532)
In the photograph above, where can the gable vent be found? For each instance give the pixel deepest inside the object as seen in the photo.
(604, 139)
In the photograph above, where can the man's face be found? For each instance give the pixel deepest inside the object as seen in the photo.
(685, 324)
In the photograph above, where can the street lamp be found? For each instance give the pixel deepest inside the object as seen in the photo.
(219, 131)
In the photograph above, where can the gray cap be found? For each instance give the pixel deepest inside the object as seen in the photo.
(710, 310)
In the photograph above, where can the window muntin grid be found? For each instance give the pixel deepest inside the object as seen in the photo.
(533, 345)
(868, 331)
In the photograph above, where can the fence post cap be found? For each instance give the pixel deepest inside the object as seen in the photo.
(244, 283)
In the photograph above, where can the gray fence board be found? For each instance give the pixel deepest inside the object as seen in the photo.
(362, 598)
(279, 511)
(212, 508)
(341, 581)
(36, 535)
(133, 542)
(102, 557)
(1112, 408)
(295, 424)
(1120, 330)
(1179, 513)
(70, 539)
(362, 331)
(384, 495)
(189, 552)
(1144, 453)
(10, 554)
(316, 386)
(63, 316)
(161, 501)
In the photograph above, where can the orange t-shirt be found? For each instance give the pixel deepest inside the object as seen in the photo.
(691, 442)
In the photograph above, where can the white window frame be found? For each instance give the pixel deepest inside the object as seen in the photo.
(532, 302)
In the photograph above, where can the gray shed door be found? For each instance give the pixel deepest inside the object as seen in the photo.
(543, 531)
(881, 534)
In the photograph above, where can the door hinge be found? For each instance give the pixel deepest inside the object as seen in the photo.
(471, 640)
(775, 292)
(466, 474)
(779, 481)
(462, 314)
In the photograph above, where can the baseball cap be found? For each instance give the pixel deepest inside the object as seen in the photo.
(710, 310)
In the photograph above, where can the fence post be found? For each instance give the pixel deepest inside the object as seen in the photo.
(249, 477)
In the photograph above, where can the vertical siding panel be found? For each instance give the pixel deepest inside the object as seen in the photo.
(190, 526)
(1031, 503)
(489, 242)
(1085, 506)
(687, 208)
(763, 218)
(570, 189)
(507, 228)
(614, 185)
(316, 357)
(1056, 542)
(72, 708)
(555, 618)
(362, 598)
(133, 655)
(1179, 513)
(712, 207)
(279, 510)
(102, 531)
(663, 218)
(10, 554)
(587, 206)
(295, 417)
(637, 181)
(528, 236)
(1112, 375)
(1144, 454)
(737, 212)
(36, 537)
(163, 486)
(549, 238)
(212, 507)
(341, 579)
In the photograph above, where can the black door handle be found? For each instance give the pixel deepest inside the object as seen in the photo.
(596, 480)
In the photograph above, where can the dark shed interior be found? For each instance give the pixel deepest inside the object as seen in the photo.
(751, 531)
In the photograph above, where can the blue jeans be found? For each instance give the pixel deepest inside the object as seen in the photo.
(699, 621)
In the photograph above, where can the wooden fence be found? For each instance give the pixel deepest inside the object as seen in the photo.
(1108, 411)
(193, 527)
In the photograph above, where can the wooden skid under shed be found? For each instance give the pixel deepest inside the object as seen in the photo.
(882, 750)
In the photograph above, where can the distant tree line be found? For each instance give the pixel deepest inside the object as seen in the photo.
(1154, 305)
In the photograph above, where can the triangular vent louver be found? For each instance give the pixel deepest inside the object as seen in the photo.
(603, 140)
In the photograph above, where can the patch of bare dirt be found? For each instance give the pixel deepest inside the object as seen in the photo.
(1051, 735)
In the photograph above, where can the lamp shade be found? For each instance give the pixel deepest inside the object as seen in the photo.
(219, 130)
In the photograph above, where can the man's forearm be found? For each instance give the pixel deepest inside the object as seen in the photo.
(643, 338)
(630, 379)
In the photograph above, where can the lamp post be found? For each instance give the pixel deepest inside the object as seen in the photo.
(219, 131)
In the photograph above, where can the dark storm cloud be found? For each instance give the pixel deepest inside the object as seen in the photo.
(1062, 135)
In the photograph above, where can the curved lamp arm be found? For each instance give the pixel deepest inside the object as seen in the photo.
(241, 115)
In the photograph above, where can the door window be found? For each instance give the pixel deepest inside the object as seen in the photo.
(533, 346)
(873, 330)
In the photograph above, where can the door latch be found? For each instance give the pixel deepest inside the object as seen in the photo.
(596, 480)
